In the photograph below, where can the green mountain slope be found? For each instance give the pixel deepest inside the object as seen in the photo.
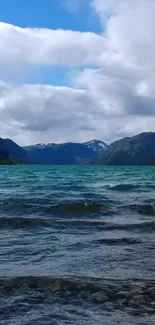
(137, 150)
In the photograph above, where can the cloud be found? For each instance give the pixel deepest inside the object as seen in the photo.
(48, 47)
(129, 31)
(125, 81)
(43, 113)
(112, 96)
(64, 113)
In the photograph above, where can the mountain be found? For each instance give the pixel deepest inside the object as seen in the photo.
(137, 150)
(65, 153)
(11, 153)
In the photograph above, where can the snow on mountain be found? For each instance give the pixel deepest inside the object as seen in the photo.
(35, 146)
(96, 145)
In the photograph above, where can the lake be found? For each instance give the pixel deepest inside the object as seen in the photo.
(77, 245)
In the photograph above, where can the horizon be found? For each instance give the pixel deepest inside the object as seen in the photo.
(76, 70)
(84, 142)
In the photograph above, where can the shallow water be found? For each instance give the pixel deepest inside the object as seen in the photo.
(77, 245)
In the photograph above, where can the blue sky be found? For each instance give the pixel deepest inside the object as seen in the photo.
(75, 70)
(52, 14)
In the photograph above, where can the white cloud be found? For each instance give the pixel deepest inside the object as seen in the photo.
(48, 47)
(129, 31)
(37, 113)
(125, 84)
(112, 100)
(59, 113)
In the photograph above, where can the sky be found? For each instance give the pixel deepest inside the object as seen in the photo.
(76, 70)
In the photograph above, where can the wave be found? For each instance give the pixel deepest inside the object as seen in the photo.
(109, 226)
(122, 293)
(106, 226)
(143, 226)
(117, 241)
(82, 223)
(45, 207)
(144, 209)
(23, 222)
(123, 187)
(20, 222)
(64, 209)
(79, 207)
(127, 187)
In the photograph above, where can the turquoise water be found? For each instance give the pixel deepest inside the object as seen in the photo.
(77, 245)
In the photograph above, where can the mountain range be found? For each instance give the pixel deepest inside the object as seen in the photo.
(64, 153)
(137, 150)
(51, 154)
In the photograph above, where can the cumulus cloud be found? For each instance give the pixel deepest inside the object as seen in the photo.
(129, 30)
(39, 113)
(60, 113)
(114, 94)
(48, 47)
(126, 82)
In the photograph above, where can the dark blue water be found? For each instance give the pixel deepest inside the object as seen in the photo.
(77, 245)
